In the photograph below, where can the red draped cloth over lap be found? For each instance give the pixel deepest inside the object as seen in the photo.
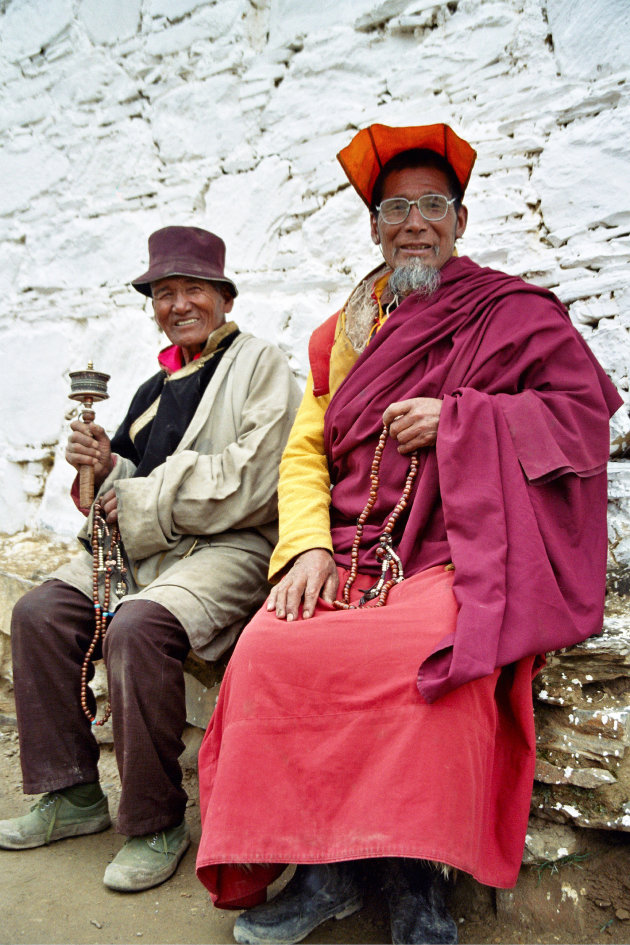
(337, 757)
(408, 730)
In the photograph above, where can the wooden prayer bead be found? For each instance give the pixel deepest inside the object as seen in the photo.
(102, 565)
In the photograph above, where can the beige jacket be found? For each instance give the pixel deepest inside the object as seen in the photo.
(199, 530)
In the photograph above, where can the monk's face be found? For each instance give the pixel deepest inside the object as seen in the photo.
(417, 239)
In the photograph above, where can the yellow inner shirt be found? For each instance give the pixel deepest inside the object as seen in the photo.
(304, 487)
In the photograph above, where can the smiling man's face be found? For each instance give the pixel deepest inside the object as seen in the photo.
(189, 310)
(417, 239)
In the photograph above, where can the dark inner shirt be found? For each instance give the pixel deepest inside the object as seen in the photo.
(179, 399)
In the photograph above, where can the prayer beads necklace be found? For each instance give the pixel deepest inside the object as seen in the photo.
(384, 552)
(104, 563)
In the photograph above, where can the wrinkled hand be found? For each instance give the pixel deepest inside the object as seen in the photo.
(89, 445)
(109, 503)
(312, 574)
(413, 423)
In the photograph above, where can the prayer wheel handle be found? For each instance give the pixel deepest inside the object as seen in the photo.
(87, 387)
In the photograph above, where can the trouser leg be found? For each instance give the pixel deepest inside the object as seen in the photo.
(51, 629)
(145, 648)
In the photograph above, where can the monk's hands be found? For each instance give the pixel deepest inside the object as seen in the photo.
(89, 445)
(313, 574)
(413, 423)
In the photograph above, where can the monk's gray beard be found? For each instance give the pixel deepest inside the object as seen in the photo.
(414, 277)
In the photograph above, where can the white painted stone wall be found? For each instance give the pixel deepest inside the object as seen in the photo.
(120, 116)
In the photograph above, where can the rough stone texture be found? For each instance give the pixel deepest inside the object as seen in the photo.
(583, 730)
(619, 525)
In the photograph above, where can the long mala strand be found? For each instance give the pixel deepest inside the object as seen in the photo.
(104, 563)
(385, 552)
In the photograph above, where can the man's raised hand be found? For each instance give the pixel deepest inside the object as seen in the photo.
(89, 445)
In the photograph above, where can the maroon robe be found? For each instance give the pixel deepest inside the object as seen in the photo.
(515, 492)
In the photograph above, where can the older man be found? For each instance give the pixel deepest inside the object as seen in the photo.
(442, 522)
(189, 479)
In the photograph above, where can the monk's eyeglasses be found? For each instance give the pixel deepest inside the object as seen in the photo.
(432, 207)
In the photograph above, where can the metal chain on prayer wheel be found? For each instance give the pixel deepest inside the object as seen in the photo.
(390, 562)
(88, 387)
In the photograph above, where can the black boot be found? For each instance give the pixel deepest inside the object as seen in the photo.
(415, 892)
(317, 892)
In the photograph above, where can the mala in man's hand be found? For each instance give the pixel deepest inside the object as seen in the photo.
(106, 562)
(385, 552)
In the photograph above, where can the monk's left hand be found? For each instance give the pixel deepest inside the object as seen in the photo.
(413, 423)
(110, 506)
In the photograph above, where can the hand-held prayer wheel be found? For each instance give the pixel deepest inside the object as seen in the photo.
(88, 387)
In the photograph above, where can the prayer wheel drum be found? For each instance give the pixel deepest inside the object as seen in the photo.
(88, 387)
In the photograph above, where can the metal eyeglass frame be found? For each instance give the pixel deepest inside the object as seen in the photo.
(416, 203)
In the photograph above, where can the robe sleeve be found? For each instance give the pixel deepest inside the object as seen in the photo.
(523, 489)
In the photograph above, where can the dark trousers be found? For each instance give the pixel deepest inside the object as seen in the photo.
(144, 650)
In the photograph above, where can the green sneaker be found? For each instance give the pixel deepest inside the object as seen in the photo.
(53, 817)
(147, 861)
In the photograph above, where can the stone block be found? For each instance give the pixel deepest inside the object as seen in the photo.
(109, 22)
(582, 199)
(233, 199)
(179, 133)
(30, 25)
(587, 40)
(29, 172)
(547, 843)
(619, 518)
(174, 9)
(582, 710)
(289, 20)
(200, 702)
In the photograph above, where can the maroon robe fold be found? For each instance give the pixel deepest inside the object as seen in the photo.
(514, 492)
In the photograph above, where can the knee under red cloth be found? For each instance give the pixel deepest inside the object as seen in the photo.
(321, 749)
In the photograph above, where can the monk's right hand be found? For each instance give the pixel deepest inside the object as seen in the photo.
(313, 574)
(89, 445)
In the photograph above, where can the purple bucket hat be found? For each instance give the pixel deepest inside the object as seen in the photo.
(184, 251)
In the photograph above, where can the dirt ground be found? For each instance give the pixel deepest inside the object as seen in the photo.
(56, 894)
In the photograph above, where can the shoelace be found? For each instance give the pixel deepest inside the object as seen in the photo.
(153, 842)
(42, 806)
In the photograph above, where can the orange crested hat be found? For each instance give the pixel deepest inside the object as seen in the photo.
(371, 148)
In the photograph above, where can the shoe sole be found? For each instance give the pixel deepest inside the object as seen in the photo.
(251, 938)
(120, 882)
(84, 828)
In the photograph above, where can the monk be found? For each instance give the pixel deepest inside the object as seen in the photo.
(442, 525)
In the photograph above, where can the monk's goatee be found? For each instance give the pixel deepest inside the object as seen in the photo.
(415, 276)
